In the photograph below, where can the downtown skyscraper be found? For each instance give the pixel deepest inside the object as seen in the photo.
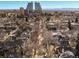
(36, 5)
(30, 7)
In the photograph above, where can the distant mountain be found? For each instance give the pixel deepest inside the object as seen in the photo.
(62, 9)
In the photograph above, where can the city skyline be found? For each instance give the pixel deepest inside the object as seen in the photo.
(44, 4)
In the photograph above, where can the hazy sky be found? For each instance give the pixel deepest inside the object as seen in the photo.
(44, 4)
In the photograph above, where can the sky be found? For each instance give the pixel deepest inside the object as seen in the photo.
(44, 4)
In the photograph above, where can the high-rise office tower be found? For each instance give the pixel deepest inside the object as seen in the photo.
(21, 11)
(38, 7)
(30, 7)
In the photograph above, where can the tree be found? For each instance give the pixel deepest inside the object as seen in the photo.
(3, 14)
(69, 25)
(76, 20)
(77, 46)
(48, 18)
(26, 19)
(77, 49)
